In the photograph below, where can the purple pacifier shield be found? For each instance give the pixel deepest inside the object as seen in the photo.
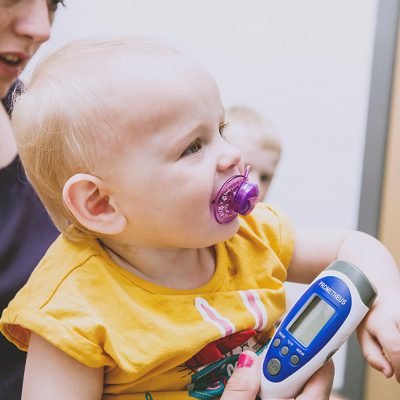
(222, 205)
(236, 196)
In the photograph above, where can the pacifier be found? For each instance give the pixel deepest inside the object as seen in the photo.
(236, 196)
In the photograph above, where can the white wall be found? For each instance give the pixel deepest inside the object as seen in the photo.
(305, 65)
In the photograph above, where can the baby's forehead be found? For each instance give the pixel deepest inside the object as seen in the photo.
(126, 84)
(134, 81)
(146, 74)
(150, 85)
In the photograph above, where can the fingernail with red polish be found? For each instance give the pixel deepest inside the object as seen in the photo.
(244, 361)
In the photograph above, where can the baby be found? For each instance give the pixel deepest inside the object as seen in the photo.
(156, 284)
(260, 149)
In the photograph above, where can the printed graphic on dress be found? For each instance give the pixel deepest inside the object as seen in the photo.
(209, 382)
(210, 314)
(253, 303)
(212, 366)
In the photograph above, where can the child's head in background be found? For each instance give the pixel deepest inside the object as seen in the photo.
(122, 140)
(260, 148)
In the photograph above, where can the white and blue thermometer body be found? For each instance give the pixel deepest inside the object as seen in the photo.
(315, 327)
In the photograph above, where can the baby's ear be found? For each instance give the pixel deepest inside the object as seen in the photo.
(87, 200)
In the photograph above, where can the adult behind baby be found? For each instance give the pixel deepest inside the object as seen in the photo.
(25, 228)
(145, 293)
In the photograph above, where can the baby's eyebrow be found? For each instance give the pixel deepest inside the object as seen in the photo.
(190, 134)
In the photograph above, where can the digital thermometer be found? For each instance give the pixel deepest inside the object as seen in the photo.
(315, 327)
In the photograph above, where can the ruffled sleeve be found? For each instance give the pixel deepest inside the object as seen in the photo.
(66, 314)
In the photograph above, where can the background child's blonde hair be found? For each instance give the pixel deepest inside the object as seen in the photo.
(69, 121)
(256, 128)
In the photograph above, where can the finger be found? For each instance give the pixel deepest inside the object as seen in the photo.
(373, 353)
(389, 340)
(244, 383)
(319, 385)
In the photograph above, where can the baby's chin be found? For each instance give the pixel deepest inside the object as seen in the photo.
(219, 233)
(226, 231)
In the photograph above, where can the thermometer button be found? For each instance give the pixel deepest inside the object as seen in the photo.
(294, 360)
(274, 366)
(284, 350)
(277, 342)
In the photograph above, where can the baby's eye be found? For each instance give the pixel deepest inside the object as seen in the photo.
(195, 147)
(265, 177)
(53, 4)
(222, 127)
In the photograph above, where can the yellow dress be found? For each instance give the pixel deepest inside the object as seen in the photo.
(155, 342)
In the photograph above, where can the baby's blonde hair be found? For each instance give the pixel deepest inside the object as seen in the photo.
(257, 128)
(67, 121)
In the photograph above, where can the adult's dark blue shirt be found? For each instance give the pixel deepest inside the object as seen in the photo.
(26, 232)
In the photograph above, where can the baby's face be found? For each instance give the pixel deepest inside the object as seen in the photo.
(262, 161)
(175, 159)
(262, 164)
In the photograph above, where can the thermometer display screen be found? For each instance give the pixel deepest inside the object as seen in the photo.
(313, 318)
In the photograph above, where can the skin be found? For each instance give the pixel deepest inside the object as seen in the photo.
(24, 26)
(262, 161)
(163, 185)
(195, 159)
(263, 164)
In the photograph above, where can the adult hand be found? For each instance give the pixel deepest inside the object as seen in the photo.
(244, 383)
(381, 346)
(319, 385)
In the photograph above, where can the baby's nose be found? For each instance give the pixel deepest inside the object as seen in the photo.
(231, 158)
